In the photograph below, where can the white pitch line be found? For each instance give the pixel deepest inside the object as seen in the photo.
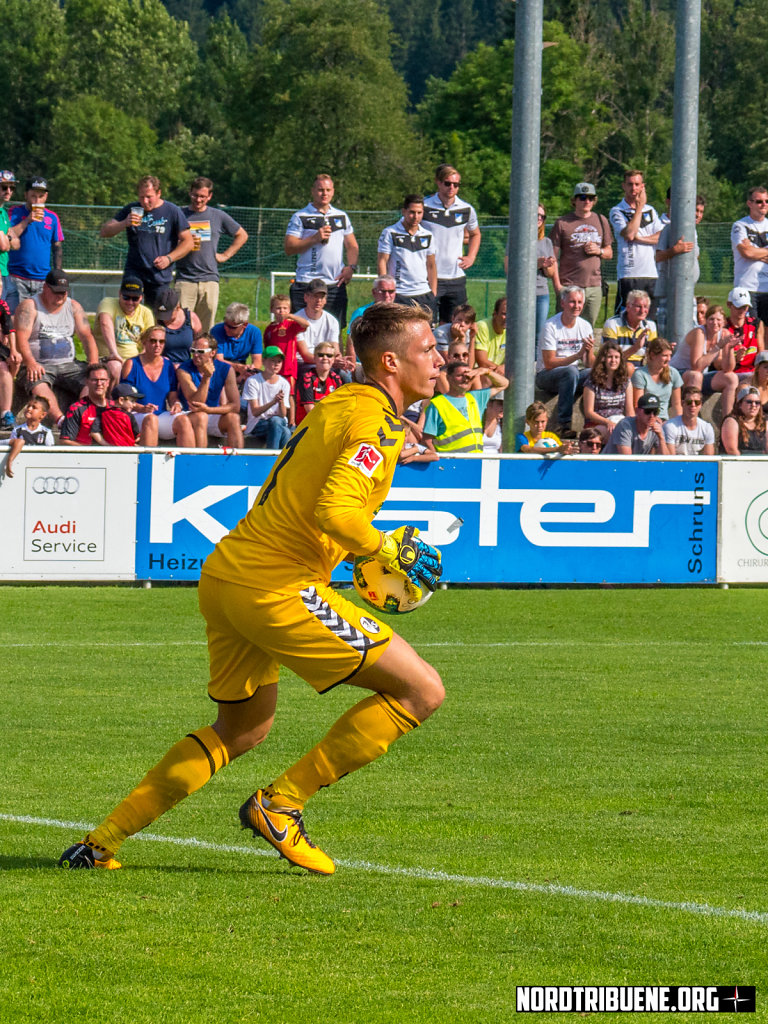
(426, 874)
(587, 642)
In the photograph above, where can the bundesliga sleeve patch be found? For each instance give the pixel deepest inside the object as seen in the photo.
(366, 459)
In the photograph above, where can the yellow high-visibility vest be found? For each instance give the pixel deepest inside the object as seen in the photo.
(462, 433)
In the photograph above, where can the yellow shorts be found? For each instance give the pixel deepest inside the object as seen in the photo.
(314, 631)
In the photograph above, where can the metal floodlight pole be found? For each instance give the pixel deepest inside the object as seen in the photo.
(682, 268)
(523, 200)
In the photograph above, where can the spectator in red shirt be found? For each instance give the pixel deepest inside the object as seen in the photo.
(76, 425)
(283, 332)
(318, 381)
(116, 425)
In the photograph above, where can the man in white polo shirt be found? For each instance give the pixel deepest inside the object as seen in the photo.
(406, 252)
(749, 241)
(636, 226)
(320, 235)
(448, 217)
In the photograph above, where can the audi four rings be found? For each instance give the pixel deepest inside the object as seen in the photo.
(56, 485)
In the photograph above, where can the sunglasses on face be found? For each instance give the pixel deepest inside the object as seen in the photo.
(199, 351)
(451, 184)
(692, 401)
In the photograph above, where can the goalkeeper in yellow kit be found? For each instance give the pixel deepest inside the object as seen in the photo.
(266, 599)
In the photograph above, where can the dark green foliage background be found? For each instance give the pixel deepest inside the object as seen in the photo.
(259, 94)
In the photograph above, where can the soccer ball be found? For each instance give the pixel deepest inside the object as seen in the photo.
(382, 589)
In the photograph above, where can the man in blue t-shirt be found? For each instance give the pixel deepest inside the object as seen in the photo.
(37, 232)
(238, 341)
(158, 236)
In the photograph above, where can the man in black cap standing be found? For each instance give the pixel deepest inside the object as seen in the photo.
(37, 230)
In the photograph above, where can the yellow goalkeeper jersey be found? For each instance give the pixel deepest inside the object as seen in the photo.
(318, 502)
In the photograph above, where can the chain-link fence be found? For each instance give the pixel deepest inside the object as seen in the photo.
(263, 252)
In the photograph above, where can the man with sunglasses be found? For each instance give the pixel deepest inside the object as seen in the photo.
(120, 323)
(641, 434)
(7, 185)
(582, 239)
(383, 289)
(449, 218)
(687, 434)
(749, 241)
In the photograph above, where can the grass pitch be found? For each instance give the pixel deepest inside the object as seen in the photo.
(588, 807)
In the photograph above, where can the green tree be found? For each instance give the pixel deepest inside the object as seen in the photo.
(34, 45)
(133, 52)
(101, 152)
(468, 118)
(324, 95)
(642, 71)
(735, 90)
(212, 110)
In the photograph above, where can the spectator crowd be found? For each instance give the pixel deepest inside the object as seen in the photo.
(159, 368)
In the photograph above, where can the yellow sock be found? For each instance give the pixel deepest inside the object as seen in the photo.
(185, 768)
(357, 738)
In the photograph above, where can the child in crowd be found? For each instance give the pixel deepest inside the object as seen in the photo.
(283, 332)
(537, 440)
(116, 424)
(271, 408)
(31, 431)
(463, 328)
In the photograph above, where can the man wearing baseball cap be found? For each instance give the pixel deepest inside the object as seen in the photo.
(582, 239)
(38, 233)
(322, 326)
(120, 323)
(641, 434)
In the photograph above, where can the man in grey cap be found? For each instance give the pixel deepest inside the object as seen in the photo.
(582, 239)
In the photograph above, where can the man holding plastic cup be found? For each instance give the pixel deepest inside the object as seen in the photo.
(158, 236)
(38, 233)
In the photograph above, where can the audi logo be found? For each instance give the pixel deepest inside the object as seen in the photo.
(56, 485)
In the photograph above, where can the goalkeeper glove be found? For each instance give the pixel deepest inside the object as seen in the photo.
(402, 552)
